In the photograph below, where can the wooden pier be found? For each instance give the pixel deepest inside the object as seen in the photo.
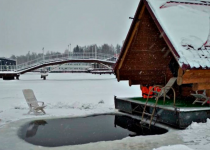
(179, 116)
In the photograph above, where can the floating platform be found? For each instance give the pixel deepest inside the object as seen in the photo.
(180, 116)
(9, 75)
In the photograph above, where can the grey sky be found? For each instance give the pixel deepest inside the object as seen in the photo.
(30, 25)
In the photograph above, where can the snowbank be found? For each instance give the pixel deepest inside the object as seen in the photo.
(197, 135)
(174, 147)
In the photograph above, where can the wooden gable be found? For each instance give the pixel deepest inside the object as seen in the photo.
(147, 56)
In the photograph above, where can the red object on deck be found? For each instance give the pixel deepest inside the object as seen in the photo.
(157, 89)
(145, 92)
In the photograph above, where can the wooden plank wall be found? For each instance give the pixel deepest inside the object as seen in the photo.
(148, 56)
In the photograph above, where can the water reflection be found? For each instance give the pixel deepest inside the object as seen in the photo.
(74, 131)
(134, 125)
(33, 127)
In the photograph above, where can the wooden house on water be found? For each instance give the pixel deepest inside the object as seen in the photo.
(168, 40)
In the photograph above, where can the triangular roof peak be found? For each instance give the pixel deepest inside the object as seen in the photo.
(185, 27)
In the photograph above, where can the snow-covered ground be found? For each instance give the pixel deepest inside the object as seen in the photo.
(71, 95)
(81, 93)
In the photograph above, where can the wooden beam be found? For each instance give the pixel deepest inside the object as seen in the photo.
(200, 86)
(144, 77)
(143, 72)
(131, 38)
(146, 82)
(118, 75)
(145, 68)
(146, 55)
(195, 80)
(139, 75)
(196, 76)
(197, 73)
(143, 63)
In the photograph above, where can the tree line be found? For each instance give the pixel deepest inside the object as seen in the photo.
(105, 48)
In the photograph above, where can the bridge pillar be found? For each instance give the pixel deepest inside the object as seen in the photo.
(10, 77)
(17, 77)
(44, 76)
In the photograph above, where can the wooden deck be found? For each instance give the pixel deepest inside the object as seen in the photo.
(180, 116)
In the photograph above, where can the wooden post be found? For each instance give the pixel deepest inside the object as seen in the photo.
(118, 75)
(179, 78)
(208, 92)
(179, 81)
(141, 86)
(130, 82)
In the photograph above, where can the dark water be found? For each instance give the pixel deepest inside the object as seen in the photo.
(75, 131)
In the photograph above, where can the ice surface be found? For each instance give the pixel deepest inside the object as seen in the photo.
(197, 135)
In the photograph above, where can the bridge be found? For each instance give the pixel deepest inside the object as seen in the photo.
(9, 72)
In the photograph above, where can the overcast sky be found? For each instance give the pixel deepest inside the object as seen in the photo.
(30, 25)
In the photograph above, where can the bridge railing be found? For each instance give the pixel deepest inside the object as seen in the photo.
(62, 57)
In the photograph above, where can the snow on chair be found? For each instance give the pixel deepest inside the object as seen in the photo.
(32, 102)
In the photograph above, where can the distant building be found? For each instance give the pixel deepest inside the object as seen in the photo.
(7, 64)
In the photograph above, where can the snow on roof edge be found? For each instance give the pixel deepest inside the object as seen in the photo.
(191, 58)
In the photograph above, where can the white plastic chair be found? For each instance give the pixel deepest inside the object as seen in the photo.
(201, 98)
(33, 103)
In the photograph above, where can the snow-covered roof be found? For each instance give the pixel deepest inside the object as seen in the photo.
(3, 58)
(187, 25)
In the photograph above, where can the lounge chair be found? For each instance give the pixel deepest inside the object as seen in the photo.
(165, 89)
(33, 103)
(201, 98)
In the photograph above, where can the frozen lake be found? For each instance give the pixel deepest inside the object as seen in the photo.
(66, 89)
(73, 95)
(63, 93)
(84, 130)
